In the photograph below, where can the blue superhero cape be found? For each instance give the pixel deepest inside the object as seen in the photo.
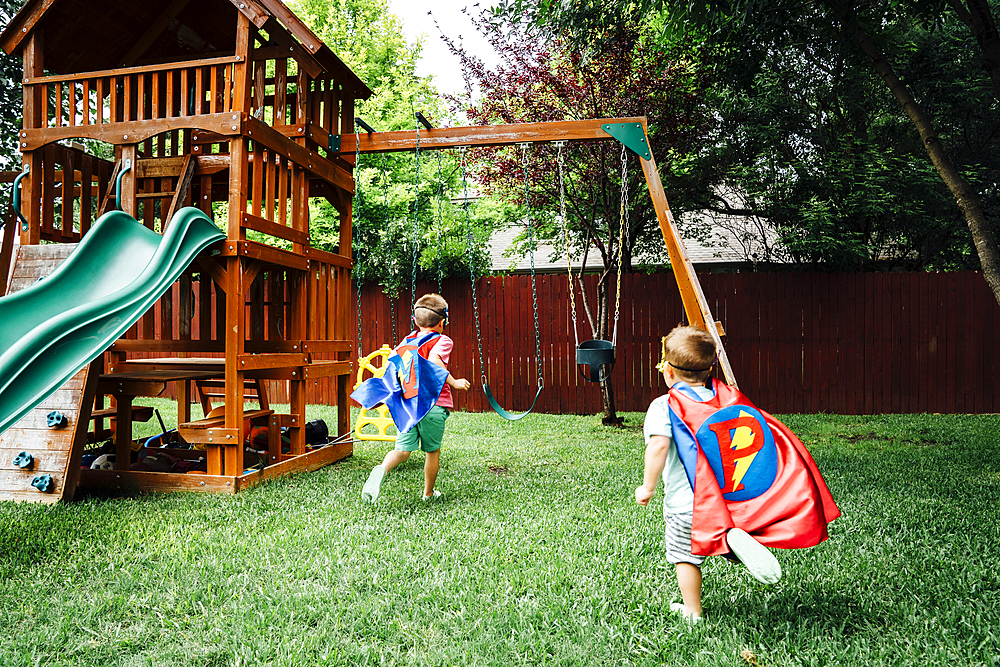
(410, 385)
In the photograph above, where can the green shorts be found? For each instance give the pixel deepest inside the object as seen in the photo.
(427, 434)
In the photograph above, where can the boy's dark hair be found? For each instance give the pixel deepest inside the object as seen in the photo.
(691, 352)
(429, 310)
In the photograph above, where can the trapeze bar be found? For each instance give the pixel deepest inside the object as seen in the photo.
(368, 128)
(423, 121)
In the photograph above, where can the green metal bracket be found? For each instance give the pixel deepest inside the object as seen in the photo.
(333, 144)
(16, 202)
(126, 165)
(631, 136)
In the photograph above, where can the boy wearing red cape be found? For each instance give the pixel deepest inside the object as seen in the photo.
(736, 480)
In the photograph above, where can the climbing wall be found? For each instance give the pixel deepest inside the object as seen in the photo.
(38, 461)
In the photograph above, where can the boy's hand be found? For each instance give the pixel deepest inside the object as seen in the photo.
(462, 384)
(642, 495)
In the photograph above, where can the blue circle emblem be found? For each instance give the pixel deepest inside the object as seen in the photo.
(740, 448)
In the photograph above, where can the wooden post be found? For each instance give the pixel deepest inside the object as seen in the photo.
(31, 200)
(242, 87)
(692, 296)
(123, 432)
(129, 181)
(343, 316)
(235, 325)
(344, 276)
(298, 326)
(235, 344)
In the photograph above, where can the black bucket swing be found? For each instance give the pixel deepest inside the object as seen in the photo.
(595, 359)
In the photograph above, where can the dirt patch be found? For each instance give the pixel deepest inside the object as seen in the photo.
(862, 436)
(498, 470)
(917, 442)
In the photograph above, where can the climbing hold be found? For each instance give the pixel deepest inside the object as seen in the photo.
(43, 483)
(56, 419)
(24, 460)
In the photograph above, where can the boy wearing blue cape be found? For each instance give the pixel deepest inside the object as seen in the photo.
(416, 387)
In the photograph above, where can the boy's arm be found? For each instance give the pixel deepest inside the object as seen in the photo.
(462, 383)
(655, 459)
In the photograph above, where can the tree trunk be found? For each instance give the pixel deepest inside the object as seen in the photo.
(979, 19)
(965, 196)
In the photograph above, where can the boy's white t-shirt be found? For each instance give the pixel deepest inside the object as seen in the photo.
(678, 496)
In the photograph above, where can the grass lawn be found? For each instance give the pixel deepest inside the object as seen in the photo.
(538, 555)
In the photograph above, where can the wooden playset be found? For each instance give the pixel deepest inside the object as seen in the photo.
(236, 108)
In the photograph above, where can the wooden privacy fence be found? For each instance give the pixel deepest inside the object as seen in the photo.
(799, 343)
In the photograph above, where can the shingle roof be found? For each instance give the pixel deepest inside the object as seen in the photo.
(722, 250)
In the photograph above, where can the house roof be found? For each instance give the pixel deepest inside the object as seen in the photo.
(95, 35)
(718, 252)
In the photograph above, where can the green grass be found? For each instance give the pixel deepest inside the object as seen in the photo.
(537, 556)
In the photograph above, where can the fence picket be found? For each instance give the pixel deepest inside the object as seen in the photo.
(846, 344)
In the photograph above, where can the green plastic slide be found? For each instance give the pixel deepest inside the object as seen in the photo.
(52, 329)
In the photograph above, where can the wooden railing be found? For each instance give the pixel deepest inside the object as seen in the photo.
(74, 185)
(192, 88)
(137, 93)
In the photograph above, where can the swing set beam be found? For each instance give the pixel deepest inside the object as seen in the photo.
(692, 296)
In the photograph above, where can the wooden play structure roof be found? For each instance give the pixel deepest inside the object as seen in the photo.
(115, 34)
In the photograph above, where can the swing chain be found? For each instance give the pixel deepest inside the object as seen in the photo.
(531, 251)
(468, 245)
(621, 242)
(416, 210)
(565, 228)
(440, 225)
(357, 193)
(385, 224)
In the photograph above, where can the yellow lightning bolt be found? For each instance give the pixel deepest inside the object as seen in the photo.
(742, 437)
(403, 371)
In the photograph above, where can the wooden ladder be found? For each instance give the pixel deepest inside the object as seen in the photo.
(54, 453)
(178, 172)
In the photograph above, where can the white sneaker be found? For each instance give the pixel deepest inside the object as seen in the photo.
(759, 561)
(372, 488)
(687, 614)
(437, 494)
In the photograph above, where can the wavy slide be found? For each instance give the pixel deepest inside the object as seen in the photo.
(51, 330)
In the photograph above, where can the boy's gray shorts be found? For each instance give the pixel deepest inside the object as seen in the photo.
(677, 539)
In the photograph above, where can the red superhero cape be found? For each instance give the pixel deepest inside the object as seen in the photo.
(748, 471)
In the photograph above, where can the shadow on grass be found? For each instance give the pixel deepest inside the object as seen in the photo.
(790, 614)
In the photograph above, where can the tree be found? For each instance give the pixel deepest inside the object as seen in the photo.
(871, 29)
(839, 175)
(369, 38)
(10, 93)
(629, 77)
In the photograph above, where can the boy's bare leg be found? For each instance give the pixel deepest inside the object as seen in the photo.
(431, 466)
(373, 486)
(689, 579)
(394, 458)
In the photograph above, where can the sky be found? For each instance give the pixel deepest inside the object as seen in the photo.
(436, 59)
